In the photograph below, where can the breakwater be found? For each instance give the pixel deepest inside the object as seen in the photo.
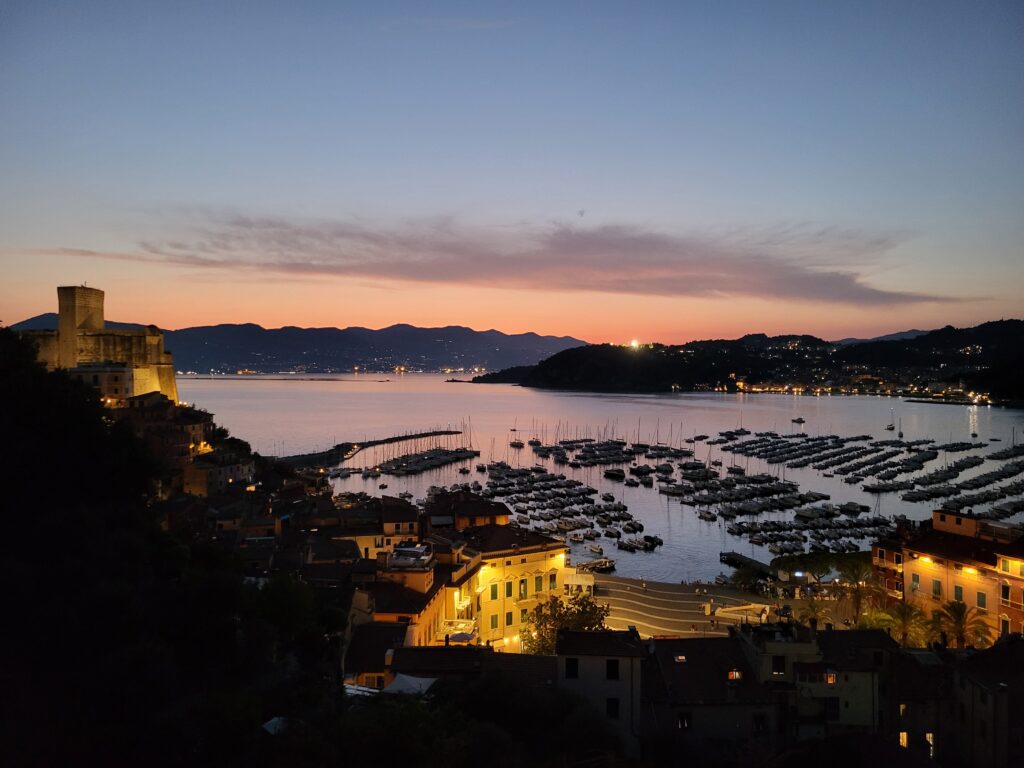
(344, 451)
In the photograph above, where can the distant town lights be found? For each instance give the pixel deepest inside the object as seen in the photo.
(634, 344)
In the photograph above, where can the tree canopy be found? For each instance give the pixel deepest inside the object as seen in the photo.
(578, 612)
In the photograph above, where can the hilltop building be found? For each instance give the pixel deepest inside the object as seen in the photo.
(120, 363)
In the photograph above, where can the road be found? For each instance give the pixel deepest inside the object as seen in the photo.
(666, 609)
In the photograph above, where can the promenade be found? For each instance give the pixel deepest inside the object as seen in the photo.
(672, 609)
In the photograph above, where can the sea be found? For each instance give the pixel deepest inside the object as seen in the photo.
(293, 414)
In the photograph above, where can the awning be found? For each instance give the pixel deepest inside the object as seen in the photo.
(414, 686)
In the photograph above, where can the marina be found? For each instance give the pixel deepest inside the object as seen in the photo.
(619, 473)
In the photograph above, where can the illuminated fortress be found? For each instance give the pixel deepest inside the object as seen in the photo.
(119, 363)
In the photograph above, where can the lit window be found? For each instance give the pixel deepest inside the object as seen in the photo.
(930, 738)
(903, 739)
(903, 709)
(680, 659)
(735, 674)
(1004, 565)
(830, 678)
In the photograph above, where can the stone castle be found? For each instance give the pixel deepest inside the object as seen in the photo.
(119, 363)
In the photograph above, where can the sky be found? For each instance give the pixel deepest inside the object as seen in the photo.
(665, 171)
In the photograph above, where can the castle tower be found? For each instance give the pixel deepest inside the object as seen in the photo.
(79, 308)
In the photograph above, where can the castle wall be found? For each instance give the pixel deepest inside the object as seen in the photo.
(81, 343)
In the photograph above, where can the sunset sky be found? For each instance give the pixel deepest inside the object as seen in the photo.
(607, 170)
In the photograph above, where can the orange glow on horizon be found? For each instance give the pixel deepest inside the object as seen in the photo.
(172, 299)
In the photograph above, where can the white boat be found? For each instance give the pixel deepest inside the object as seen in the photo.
(597, 549)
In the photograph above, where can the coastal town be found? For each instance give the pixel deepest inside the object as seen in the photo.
(913, 649)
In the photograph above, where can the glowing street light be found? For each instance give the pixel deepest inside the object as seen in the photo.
(634, 344)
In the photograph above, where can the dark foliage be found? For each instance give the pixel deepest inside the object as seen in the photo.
(125, 646)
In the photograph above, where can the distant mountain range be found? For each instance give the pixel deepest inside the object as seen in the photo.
(230, 348)
(900, 336)
(986, 358)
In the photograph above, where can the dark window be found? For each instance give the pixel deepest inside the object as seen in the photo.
(879, 658)
(552, 581)
(958, 521)
(778, 665)
(508, 618)
(494, 591)
(611, 669)
(508, 589)
(538, 583)
(683, 723)
(611, 707)
(522, 588)
(832, 708)
(572, 668)
(760, 724)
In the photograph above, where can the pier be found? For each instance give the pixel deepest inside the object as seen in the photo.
(736, 560)
(344, 451)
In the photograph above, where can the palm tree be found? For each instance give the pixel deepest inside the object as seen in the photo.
(907, 623)
(815, 610)
(855, 573)
(964, 623)
(875, 620)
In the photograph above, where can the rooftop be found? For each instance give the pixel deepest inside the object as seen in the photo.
(951, 546)
(711, 670)
(472, 660)
(493, 538)
(464, 504)
(607, 642)
(370, 643)
(390, 597)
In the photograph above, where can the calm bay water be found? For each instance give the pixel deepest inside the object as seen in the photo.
(290, 415)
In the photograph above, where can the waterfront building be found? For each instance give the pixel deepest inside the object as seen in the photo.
(958, 556)
(120, 362)
(516, 570)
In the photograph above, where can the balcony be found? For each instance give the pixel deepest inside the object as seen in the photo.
(887, 565)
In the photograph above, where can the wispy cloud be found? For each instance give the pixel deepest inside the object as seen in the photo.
(793, 262)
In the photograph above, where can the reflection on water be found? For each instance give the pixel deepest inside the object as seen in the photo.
(290, 415)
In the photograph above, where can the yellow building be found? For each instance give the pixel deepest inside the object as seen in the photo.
(517, 569)
(961, 557)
